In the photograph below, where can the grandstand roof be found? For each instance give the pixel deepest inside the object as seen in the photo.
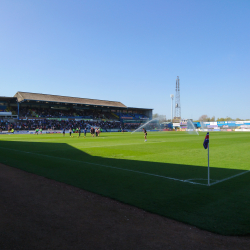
(25, 96)
(6, 98)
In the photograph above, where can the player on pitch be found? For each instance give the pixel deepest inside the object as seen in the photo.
(79, 131)
(145, 134)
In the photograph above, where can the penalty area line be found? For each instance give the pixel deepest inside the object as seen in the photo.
(106, 166)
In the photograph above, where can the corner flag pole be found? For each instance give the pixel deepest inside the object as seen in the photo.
(208, 172)
(206, 146)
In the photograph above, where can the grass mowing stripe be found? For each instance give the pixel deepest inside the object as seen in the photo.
(134, 171)
(222, 208)
(114, 145)
(161, 176)
(96, 164)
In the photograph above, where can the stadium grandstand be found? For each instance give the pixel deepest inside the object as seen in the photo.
(27, 111)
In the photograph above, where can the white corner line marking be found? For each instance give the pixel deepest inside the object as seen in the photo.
(106, 166)
(230, 177)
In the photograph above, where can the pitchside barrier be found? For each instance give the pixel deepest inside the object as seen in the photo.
(56, 131)
(21, 132)
(117, 130)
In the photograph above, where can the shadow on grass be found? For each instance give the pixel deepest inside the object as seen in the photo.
(147, 185)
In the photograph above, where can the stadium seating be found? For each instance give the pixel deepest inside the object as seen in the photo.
(31, 118)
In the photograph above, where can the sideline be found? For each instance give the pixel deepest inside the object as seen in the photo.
(134, 171)
(96, 164)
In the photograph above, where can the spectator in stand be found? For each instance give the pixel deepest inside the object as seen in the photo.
(32, 122)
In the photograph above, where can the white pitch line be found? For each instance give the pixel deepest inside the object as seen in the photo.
(161, 176)
(96, 164)
(230, 177)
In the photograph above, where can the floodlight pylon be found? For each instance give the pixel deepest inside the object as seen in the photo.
(177, 99)
(172, 98)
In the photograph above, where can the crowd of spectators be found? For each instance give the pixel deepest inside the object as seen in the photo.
(59, 125)
(67, 113)
(49, 113)
(58, 119)
(55, 112)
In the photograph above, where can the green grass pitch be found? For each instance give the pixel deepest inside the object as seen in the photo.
(166, 175)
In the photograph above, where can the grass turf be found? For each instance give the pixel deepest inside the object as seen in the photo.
(166, 175)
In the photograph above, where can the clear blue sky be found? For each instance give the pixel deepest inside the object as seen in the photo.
(130, 51)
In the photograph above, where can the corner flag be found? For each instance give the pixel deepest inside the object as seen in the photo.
(206, 146)
(206, 141)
